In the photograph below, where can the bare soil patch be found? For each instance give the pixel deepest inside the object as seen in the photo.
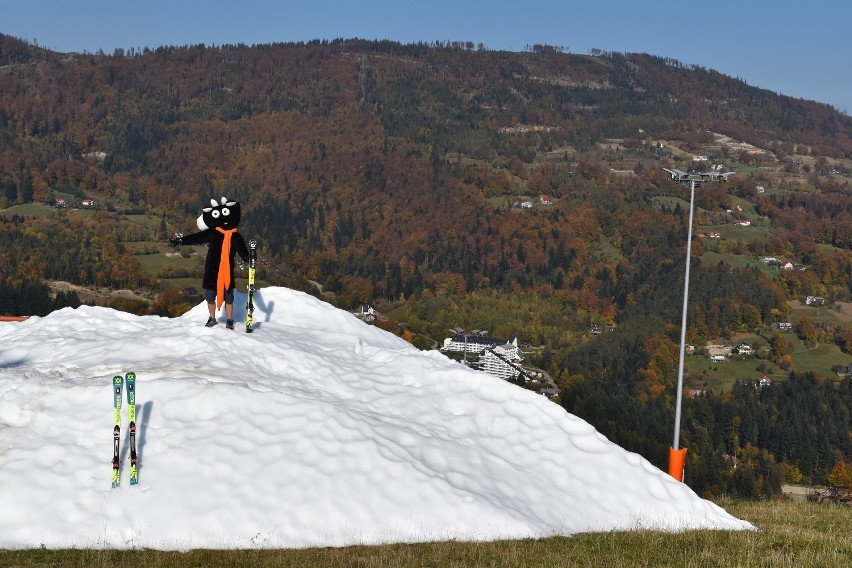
(844, 314)
(94, 295)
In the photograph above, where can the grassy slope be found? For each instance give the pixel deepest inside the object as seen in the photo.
(790, 534)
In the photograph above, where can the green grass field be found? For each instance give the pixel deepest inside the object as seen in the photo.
(734, 232)
(701, 373)
(710, 259)
(818, 360)
(817, 313)
(189, 258)
(800, 535)
(29, 210)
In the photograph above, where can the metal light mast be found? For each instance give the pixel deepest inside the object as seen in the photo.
(677, 455)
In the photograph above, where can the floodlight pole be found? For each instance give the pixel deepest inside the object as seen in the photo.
(677, 456)
(676, 441)
(464, 357)
(464, 334)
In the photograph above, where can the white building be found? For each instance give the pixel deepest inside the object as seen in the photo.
(744, 349)
(495, 362)
(366, 313)
(461, 343)
(497, 357)
(502, 361)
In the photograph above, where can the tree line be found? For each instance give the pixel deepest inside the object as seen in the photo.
(743, 443)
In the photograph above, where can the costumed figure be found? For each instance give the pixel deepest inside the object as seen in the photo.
(218, 224)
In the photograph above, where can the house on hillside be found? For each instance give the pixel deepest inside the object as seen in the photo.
(366, 313)
(545, 199)
(718, 358)
(744, 348)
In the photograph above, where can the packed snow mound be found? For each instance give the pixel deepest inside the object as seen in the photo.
(315, 430)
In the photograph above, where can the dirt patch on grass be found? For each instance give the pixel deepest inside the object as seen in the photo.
(738, 145)
(844, 314)
(845, 311)
(94, 295)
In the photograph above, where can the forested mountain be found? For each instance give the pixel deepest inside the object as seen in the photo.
(450, 185)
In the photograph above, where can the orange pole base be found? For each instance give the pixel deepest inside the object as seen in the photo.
(13, 318)
(677, 463)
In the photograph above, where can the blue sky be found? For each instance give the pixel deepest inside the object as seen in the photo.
(801, 49)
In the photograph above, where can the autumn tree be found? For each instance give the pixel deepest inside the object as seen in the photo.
(840, 482)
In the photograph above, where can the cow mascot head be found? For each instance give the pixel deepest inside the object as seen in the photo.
(223, 213)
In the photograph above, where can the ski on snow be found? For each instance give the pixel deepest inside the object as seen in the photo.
(118, 386)
(250, 302)
(130, 379)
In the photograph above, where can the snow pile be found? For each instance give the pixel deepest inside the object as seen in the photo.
(315, 430)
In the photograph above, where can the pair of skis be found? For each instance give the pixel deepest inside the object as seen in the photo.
(117, 385)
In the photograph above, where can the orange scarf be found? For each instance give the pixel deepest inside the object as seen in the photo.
(223, 280)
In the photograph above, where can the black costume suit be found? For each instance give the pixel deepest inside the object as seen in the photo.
(214, 239)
